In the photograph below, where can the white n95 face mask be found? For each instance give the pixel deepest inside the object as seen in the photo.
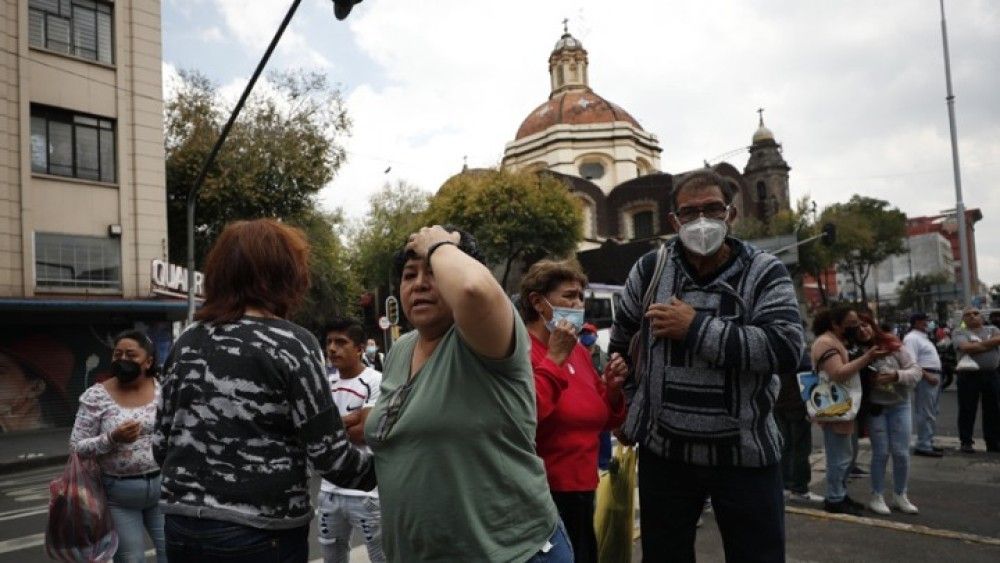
(703, 236)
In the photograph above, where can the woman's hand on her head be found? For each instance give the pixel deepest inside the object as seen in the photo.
(421, 241)
(562, 341)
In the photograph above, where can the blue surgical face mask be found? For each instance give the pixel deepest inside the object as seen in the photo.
(588, 339)
(574, 316)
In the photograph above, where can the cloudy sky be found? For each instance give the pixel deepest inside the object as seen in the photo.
(853, 89)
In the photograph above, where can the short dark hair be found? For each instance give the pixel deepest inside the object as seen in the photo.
(144, 342)
(260, 263)
(467, 244)
(826, 318)
(351, 327)
(544, 276)
(704, 178)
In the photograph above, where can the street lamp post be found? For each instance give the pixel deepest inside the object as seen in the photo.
(341, 9)
(963, 235)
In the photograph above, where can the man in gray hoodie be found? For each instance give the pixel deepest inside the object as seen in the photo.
(724, 320)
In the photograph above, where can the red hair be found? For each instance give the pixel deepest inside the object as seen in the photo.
(261, 263)
(879, 337)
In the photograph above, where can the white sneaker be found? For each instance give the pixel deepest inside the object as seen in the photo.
(904, 505)
(878, 506)
(807, 496)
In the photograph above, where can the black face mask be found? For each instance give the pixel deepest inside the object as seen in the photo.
(851, 334)
(125, 370)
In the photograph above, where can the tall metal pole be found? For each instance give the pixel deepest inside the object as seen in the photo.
(963, 236)
(192, 199)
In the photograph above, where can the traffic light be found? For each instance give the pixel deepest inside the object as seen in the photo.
(392, 309)
(829, 234)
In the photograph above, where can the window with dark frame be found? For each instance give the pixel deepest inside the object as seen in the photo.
(82, 28)
(75, 261)
(70, 144)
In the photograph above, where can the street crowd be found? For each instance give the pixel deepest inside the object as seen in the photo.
(477, 437)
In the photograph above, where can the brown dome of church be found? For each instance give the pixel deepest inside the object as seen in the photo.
(573, 107)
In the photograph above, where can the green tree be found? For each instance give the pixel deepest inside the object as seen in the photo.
(915, 293)
(333, 290)
(514, 215)
(281, 151)
(869, 231)
(394, 212)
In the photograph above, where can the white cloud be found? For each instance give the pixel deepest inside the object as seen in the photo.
(171, 79)
(211, 35)
(253, 24)
(853, 89)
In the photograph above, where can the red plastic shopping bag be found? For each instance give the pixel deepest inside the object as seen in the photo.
(80, 526)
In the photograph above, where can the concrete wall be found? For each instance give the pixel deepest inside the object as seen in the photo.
(129, 92)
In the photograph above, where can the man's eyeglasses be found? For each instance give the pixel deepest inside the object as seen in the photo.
(392, 411)
(972, 314)
(687, 214)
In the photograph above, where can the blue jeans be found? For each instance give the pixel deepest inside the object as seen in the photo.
(838, 462)
(925, 411)
(135, 506)
(556, 550)
(192, 539)
(338, 515)
(890, 434)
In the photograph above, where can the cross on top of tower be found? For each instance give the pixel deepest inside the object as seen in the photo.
(566, 25)
(761, 112)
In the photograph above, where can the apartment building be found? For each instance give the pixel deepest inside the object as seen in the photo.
(82, 197)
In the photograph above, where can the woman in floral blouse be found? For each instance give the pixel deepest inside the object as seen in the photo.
(114, 424)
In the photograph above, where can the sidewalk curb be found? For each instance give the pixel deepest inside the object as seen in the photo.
(895, 525)
(9, 467)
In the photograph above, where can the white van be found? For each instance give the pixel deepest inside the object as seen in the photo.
(600, 303)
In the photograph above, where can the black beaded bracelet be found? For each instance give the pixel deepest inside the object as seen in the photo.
(435, 246)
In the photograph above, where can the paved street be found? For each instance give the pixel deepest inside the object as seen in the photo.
(958, 496)
(24, 501)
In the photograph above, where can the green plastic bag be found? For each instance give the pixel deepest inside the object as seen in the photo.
(614, 516)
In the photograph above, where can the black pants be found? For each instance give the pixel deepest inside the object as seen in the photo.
(748, 505)
(973, 385)
(577, 512)
(200, 540)
(796, 431)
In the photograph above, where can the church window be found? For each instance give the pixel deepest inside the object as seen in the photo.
(592, 170)
(761, 191)
(642, 225)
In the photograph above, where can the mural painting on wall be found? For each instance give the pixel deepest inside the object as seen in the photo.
(44, 369)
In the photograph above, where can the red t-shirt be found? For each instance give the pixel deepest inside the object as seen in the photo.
(573, 409)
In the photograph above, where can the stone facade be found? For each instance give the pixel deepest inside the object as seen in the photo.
(612, 165)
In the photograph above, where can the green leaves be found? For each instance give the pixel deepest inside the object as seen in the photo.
(395, 212)
(280, 152)
(513, 215)
(869, 231)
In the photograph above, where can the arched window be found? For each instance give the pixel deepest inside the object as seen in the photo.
(643, 224)
(592, 170)
(761, 191)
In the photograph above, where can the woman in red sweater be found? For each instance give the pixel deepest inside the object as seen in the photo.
(575, 404)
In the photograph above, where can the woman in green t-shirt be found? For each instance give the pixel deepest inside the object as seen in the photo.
(453, 431)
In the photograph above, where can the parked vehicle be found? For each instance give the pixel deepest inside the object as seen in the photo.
(600, 303)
